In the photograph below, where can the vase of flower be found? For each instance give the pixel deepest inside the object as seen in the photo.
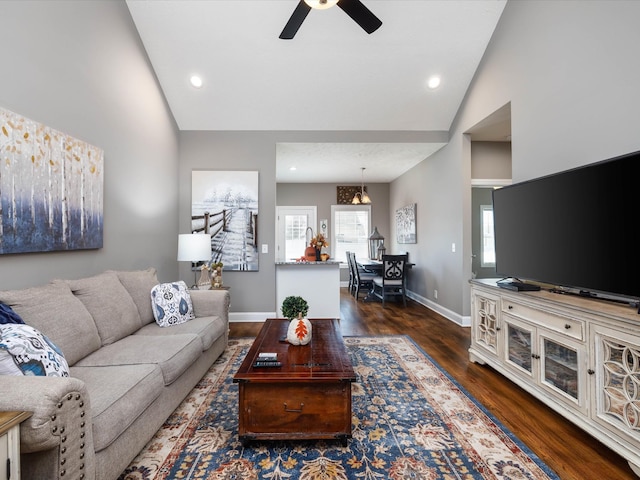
(318, 242)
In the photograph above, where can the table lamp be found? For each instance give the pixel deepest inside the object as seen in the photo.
(194, 247)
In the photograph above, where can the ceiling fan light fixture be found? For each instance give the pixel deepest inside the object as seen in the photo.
(321, 4)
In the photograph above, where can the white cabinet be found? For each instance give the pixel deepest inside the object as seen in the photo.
(484, 309)
(617, 382)
(553, 362)
(317, 282)
(580, 356)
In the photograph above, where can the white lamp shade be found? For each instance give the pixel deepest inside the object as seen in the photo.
(194, 247)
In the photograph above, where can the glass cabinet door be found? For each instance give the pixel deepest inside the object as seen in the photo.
(560, 367)
(519, 347)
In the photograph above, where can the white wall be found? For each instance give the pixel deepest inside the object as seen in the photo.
(571, 73)
(80, 68)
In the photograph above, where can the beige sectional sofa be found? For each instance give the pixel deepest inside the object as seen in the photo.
(127, 374)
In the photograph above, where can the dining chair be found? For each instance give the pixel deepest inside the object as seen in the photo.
(360, 279)
(350, 272)
(392, 280)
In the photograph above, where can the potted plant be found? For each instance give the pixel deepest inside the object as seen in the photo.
(295, 309)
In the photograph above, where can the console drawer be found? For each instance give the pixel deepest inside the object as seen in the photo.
(295, 410)
(565, 325)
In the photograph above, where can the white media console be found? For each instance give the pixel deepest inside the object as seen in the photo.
(579, 356)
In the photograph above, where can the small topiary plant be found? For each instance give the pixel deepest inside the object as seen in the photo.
(293, 306)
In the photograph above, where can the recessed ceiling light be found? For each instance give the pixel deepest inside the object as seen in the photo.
(196, 81)
(433, 82)
(293, 169)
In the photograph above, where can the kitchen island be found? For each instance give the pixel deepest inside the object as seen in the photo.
(317, 282)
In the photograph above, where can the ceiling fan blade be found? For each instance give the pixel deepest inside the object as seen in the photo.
(360, 14)
(297, 17)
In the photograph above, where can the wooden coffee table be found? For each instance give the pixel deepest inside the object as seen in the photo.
(308, 397)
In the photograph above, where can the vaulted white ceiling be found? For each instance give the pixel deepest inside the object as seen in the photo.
(332, 76)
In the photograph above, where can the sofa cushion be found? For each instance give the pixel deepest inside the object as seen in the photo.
(118, 395)
(31, 352)
(139, 284)
(171, 303)
(56, 312)
(112, 308)
(174, 353)
(208, 329)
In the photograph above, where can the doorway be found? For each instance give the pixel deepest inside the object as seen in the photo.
(292, 224)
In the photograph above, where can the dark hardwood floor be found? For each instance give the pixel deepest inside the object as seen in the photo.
(570, 452)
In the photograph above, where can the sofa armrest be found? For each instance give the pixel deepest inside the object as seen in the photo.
(61, 419)
(208, 303)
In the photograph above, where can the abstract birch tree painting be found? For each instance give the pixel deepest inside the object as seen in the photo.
(51, 188)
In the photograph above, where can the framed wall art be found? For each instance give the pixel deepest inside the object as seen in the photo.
(225, 205)
(345, 193)
(51, 189)
(406, 224)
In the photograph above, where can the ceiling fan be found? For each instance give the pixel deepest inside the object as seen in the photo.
(354, 8)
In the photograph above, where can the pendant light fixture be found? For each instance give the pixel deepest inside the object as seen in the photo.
(361, 197)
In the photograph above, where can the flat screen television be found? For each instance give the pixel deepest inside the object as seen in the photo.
(576, 230)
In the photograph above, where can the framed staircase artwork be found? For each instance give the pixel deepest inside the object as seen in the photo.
(225, 204)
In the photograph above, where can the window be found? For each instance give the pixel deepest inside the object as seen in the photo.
(487, 252)
(350, 231)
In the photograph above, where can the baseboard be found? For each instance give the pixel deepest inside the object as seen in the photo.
(463, 321)
(250, 316)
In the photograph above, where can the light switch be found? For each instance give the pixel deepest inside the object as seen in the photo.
(453, 248)
(265, 248)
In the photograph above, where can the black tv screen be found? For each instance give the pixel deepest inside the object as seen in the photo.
(575, 229)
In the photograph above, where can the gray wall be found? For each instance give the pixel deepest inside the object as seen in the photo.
(491, 160)
(253, 293)
(80, 68)
(323, 195)
(569, 70)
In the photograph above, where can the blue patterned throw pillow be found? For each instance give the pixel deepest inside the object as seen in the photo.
(171, 303)
(26, 351)
(8, 315)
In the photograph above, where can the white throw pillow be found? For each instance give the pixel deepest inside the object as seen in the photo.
(30, 352)
(171, 303)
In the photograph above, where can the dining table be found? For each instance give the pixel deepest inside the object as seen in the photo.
(375, 266)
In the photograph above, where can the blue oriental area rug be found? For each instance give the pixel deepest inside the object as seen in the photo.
(410, 420)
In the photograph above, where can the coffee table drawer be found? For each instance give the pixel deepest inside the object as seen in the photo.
(295, 410)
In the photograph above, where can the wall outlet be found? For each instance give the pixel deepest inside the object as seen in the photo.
(265, 248)
(435, 294)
